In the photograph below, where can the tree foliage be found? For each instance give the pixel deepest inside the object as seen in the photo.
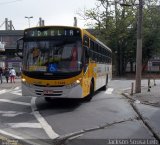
(116, 24)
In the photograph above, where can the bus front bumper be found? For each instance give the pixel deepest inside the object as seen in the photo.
(53, 92)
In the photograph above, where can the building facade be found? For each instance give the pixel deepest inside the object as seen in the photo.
(8, 57)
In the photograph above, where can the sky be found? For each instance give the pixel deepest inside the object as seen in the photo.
(54, 12)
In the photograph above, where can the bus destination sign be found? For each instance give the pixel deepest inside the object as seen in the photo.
(40, 32)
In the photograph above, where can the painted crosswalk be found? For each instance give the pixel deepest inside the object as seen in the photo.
(3, 91)
(24, 125)
(15, 102)
(109, 91)
(10, 113)
(16, 91)
(24, 119)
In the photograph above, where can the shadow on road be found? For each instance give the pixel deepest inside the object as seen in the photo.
(60, 105)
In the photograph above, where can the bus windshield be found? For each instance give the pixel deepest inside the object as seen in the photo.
(52, 56)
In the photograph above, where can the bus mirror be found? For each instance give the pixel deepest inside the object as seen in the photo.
(19, 47)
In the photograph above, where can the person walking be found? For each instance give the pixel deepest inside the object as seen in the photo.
(1, 73)
(12, 75)
(7, 74)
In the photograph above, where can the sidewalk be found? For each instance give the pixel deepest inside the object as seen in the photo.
(148, 96)
(147, 106)
(151, 97)
(9, 85)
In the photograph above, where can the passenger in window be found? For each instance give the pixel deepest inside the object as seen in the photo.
(74, 58)
(36, 56)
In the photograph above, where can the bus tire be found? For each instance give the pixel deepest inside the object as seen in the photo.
(91, 94)
(104, 88)
(48, 99)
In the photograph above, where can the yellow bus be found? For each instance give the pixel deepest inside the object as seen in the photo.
(63, 62)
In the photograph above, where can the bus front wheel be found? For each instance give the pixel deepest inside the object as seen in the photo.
(91, 94)
(48, 99)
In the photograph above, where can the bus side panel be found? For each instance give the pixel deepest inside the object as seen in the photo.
(101, 75)
(90, 74)
(85, 85)
(110, 72)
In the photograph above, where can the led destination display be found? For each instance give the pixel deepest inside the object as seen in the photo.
(55, 31)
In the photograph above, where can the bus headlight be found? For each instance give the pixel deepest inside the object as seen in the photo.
(77, 82)
(23, 80)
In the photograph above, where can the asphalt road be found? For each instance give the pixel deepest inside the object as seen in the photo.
(107, 119)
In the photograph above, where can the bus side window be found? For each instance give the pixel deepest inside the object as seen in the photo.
(91, 45)
(86, 58)
(96, 47)
(91, 49)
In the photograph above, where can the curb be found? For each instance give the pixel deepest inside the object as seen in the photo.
(150, 128)
(133, 104)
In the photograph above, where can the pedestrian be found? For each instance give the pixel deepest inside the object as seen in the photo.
(7, 74)
(1, 73)
(12, 75)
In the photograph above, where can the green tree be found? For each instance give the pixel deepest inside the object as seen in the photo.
(116, 26)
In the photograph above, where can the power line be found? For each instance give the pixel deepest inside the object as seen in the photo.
(3, 3)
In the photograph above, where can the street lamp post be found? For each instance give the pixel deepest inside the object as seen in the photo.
(29, 20)
(139, 49)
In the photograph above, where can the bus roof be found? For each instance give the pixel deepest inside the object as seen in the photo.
(50, 26)
(94, 38)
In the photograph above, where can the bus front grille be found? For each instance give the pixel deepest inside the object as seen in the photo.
(48, 93)
(48, 86)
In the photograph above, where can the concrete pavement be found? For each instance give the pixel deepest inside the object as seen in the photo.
(149, 95)
(147, 105)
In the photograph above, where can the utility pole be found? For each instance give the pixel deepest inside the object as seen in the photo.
(139, 48)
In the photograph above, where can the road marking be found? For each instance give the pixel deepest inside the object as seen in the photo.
(48, 129)
(10, 113)
(16, 88)
(16, 91)
(7, 141)
(9, 134)
(3, 91)
(109, 91)
(15, 102)
(25, 125)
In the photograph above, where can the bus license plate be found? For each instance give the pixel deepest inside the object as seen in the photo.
(47, 92)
